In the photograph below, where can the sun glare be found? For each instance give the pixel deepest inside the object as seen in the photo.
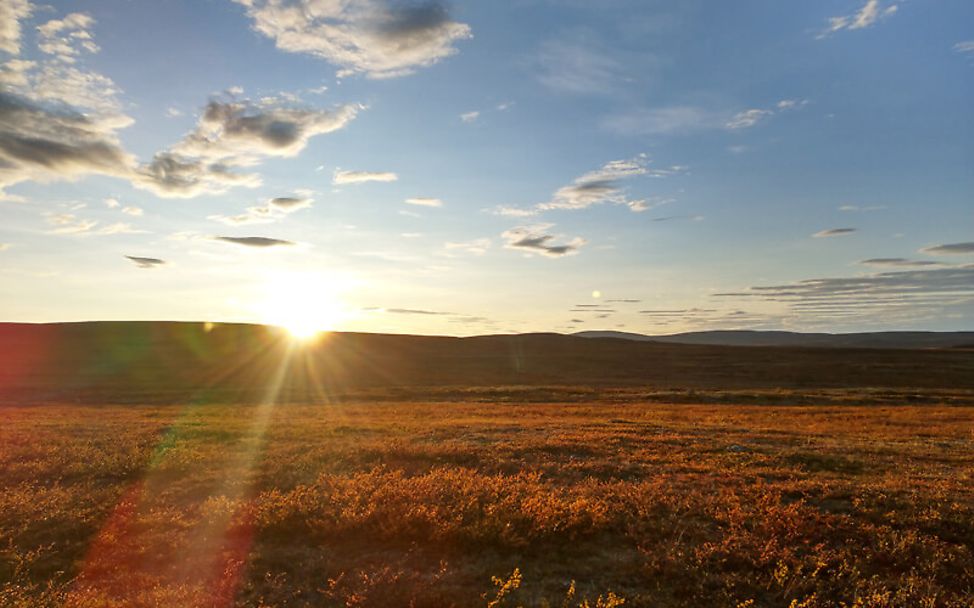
(303, 305)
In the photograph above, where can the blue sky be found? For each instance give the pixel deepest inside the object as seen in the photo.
(477, 167)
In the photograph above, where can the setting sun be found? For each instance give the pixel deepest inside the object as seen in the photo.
(303, 305)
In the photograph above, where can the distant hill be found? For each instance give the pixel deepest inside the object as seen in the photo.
(135, 362)
(884, 339)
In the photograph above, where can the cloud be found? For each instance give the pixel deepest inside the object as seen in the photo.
(424, 201)
(747, 118)
(966, 46)
(476, 246)
(661, 121)
(508, 211)
(232, 134)
(833, 232)
(950, 249)
(415, 311)
(892, 297)
(898, 262)
(42, 143)
(269, 211)
(860, 208)
(67, 38)
(132, 210)
(112, 203)
(534, 239)
(68, 223)
(172, 112)
(469, 117)
(378, 38)
(11, 13)
(869, 14)
(142, 262)
(602, 186)
(576, 63)
(254, 241)
(357, 177)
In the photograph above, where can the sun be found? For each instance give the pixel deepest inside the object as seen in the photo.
(304, 305)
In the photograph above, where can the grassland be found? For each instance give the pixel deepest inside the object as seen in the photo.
(420, 503)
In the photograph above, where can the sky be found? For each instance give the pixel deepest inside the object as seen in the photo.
(489, 167)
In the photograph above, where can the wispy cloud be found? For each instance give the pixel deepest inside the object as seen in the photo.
(861, 208)
(378, 38)
(902, 262)
(269, 211)
(535, 239)
(683, 119)
(966, 46)
(424, 201)
(358, 177)
(469, 117)
(576, 62)
(476, 246)
(869, 14)
(833, 232)
(70, 224)
(254, 241)
(142, 262)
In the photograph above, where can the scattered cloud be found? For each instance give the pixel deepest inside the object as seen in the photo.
(269, 211)
(509, 211)
(424, 201)
(833, 232)
(670, 120)
(899, 262)
(357, 177)
(172, 112)
(416, 311)
(534, 239)
(69, 223)
(142, 262)
(950, 249)
(378, 38)
(602, 186)
(11, 13)
(67, 38)
(670, 218)
(966, 46)
(254, 241)
(469, 117)
(232, 134)
(504, 106)
(132, 210)
(112, 203)
(869, 14)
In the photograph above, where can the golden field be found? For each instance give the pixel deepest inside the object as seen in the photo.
(489, 502)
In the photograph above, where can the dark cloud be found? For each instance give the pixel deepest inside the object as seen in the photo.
(254, 241)
(142, 262)
(950, 249)
(898, 262)
(379, 38)
(623, 301)
(417, 311)
(833, 232)
(533, 239)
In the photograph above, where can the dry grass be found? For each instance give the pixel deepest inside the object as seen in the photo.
(487, 504)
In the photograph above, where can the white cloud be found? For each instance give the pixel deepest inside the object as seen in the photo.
(357, 177)
(424, 201)
(68, 223)
(67, 38)
(173, 112)
(469, 117)
(508, 211)
(966, 46)
(870, 13)
(379, 38)
(132, 210)
(11, 13)
(575, 63)
(112, 203)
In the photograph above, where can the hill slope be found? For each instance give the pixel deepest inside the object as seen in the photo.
(884, 339)
(161, 361)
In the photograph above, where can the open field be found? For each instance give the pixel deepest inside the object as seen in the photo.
(421, 503)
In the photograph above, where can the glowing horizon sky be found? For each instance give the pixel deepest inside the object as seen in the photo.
(472, 167)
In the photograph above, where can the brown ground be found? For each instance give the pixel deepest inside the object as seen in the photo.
(421, 503)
